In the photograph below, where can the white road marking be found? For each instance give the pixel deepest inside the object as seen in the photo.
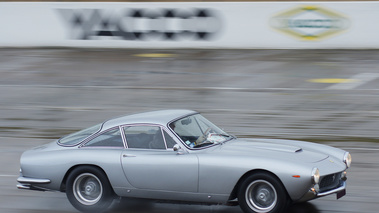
(356, 81)
(8, 175)
(237, 89)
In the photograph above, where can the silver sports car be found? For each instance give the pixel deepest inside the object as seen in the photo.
(178, 155)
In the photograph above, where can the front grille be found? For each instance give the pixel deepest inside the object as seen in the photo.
(329, 182)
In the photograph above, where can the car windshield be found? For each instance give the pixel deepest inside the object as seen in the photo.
(196, 131)
(77, 137)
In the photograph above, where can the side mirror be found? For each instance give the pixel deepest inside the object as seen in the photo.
(178, 149)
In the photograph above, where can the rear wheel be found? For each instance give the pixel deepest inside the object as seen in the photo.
(262, 193)
(89, 190)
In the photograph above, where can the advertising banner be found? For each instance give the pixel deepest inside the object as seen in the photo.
(274, 25)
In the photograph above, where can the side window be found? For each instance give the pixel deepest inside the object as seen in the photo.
(111, 138)
(169, 140)
(144, 137)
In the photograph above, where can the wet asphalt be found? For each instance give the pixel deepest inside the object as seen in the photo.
(325, 96)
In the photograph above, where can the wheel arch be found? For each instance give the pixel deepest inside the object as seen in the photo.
(234, 193)
(64, 180)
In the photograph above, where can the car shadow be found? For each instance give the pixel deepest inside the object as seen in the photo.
(303, 208)
(133, 205)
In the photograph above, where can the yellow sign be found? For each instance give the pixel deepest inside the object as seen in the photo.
(155, 55)
(310, 23)
(332, 80)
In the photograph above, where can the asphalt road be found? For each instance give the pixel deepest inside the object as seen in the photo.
(326, 96)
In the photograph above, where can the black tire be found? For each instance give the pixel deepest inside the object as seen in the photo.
(88, 189)
(262, 193)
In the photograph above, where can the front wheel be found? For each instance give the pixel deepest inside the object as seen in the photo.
(262, 193)
(89, 190)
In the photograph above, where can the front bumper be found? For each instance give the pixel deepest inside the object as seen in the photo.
(333, 191)
(31, 183)
(313, 194)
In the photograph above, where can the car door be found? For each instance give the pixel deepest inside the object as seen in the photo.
(149, 164)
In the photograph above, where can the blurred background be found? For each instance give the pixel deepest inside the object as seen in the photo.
(310, 91)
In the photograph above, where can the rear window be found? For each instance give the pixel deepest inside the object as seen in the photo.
(111, 138)
(78, 137)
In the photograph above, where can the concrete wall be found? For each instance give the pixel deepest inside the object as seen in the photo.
(274, 25)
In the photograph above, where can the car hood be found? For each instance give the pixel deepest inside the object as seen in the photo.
(273, 149)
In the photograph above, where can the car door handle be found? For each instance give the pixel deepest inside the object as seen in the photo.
(126, 155)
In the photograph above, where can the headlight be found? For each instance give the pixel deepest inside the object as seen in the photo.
(315, 176)
(347, 159)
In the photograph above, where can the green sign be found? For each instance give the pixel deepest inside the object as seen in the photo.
(310, 23)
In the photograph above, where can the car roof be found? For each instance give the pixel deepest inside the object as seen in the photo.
(161, 117)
